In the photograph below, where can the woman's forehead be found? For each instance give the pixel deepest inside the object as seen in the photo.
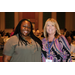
(26, 22)
(49, 22)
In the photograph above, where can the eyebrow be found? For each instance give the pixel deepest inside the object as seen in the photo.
(25, 25)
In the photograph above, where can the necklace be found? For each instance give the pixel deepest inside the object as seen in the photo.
(50, 41)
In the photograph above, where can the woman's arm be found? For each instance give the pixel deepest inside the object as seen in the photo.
(9, 48)
(66, 48)
(6, 58)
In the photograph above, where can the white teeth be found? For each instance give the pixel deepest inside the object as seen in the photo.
(25, 31)
(50, 30)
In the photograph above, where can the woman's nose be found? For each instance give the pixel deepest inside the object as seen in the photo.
(26, 28)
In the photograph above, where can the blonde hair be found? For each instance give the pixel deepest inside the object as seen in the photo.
(56, 26)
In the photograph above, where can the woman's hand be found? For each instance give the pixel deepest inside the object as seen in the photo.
(6, 58)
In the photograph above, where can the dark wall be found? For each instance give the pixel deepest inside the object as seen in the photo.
(46, 15)
(61, 19)
(9, 20)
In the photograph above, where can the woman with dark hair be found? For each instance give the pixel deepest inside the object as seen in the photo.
(24, 46)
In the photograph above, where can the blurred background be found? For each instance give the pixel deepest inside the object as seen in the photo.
(9, 21)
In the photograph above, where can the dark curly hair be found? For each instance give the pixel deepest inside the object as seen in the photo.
(17, 31)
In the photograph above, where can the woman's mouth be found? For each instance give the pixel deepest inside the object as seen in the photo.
(25, 31)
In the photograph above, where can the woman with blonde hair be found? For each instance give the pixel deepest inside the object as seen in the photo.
(55, 45)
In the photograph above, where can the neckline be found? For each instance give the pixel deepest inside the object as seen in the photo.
(27, 40)
(50, 41)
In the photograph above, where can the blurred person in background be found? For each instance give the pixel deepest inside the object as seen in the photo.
(70, 38)
(12, 33)
(1, 42)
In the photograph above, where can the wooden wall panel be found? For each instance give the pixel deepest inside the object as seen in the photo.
(0, 20)
(61, 19)
(46, 15)
(9, 20)
(20, 16)
(29, 15)
(33, 16)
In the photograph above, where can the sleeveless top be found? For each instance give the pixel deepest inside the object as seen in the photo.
(59, 52)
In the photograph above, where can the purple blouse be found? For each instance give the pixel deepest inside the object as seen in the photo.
(59, 51)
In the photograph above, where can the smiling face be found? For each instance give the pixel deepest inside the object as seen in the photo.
(25, 28)
(51, 30)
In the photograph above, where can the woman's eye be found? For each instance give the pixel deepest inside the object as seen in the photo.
(52, 25)
(27, 27)
(24, 26)
(47, 25)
